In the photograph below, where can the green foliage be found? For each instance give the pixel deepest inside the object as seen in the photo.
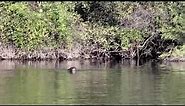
(107, 25)
(96, 12)
(129, 35)
(171, 19)
(48, 25)
(178, 51)
(109, 37)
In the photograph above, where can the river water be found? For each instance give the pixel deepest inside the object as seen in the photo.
(49, 82)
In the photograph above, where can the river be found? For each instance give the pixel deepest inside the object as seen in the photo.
(49, 82)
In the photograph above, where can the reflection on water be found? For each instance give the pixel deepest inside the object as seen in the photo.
(48, 82)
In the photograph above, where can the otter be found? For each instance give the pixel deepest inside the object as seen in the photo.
(72, 70)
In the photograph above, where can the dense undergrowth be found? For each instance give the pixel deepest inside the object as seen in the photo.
(100, 29)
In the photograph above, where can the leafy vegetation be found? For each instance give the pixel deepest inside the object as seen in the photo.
(100, 27)
(29, 25)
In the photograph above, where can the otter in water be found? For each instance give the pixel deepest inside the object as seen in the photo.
(72, 70)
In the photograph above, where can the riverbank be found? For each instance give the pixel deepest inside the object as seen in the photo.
(174, 59)
(89, 30)
(10, 52)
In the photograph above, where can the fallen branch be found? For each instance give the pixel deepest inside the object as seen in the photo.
(146, 42)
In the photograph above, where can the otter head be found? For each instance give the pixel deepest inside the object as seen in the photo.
(72, 70)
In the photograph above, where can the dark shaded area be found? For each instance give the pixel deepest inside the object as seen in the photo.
(101, 12)
(157, 46)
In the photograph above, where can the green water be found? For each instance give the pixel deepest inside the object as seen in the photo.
(105, 83)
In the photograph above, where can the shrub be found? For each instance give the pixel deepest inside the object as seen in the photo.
(48, 24)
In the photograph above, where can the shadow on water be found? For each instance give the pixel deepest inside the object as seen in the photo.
(55, 64)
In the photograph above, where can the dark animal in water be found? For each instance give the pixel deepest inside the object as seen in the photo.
(72, 70)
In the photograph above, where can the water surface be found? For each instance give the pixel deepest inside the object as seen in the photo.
(48, 82)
